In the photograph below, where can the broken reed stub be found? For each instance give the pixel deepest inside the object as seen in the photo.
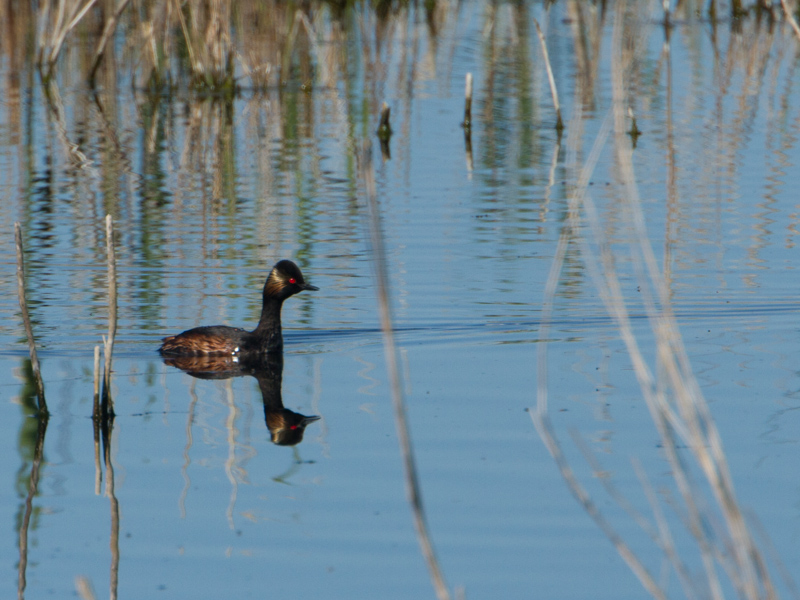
(384, 128)
(467, 123)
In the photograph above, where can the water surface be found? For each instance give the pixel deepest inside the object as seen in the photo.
(206, 192)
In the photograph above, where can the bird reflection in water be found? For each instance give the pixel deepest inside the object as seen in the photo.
(286, 427)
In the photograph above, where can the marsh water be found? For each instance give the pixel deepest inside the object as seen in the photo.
(184, 494)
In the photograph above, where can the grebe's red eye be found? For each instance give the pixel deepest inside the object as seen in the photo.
(292, 280)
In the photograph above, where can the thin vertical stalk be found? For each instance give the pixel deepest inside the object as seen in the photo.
(673, 216)
(409, 465)
(26, 319)
(111, 25)
(467, 124)
(790, 17)
(550, 77)
(384, 127)
(106, 420)
(84, 588)
(108, 346)
(53, 36)
(540, 416)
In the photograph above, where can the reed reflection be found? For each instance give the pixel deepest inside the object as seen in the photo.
(286, 427)
(31, 450)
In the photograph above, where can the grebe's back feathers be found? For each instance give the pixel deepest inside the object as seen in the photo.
(214, 339)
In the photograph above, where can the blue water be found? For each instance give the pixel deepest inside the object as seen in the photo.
(209, 507)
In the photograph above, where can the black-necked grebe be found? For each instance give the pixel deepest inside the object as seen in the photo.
(284, 280)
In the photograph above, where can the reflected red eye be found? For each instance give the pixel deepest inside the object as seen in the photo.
(292, 280)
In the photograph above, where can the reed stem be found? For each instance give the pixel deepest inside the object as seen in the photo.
(108, 342)
(384, 128)
(550, 77)
(398, 402)
(790, 17)
(84, 588)
(108, 30)
(467, 124)
(57, 35)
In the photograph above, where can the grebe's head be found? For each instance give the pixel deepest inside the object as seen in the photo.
(285, 280)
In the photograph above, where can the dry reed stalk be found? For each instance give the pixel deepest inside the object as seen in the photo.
(84, 588)
(540, 417)
(384, 128)
(790, 17)
(634, 131)
(105, 423)
(672, 175)
(108, 30)
(676, 405)
(195, 64)
(392, 365)
(108, 346)
(260, 31)
(748, 570)
(288, 48)
(687, 413)
(208, 42)
(467, 124)
(664, 537)
(550, 77)
(52, 37)
(26, 319)
(217, 37)
(156, 47)
(586, 33)
(44, 14)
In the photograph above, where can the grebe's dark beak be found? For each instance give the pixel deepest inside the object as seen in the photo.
(309, 287)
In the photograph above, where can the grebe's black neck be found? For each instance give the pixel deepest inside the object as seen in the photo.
(268, 335)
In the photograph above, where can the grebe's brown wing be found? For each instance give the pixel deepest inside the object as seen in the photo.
(217, 339)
